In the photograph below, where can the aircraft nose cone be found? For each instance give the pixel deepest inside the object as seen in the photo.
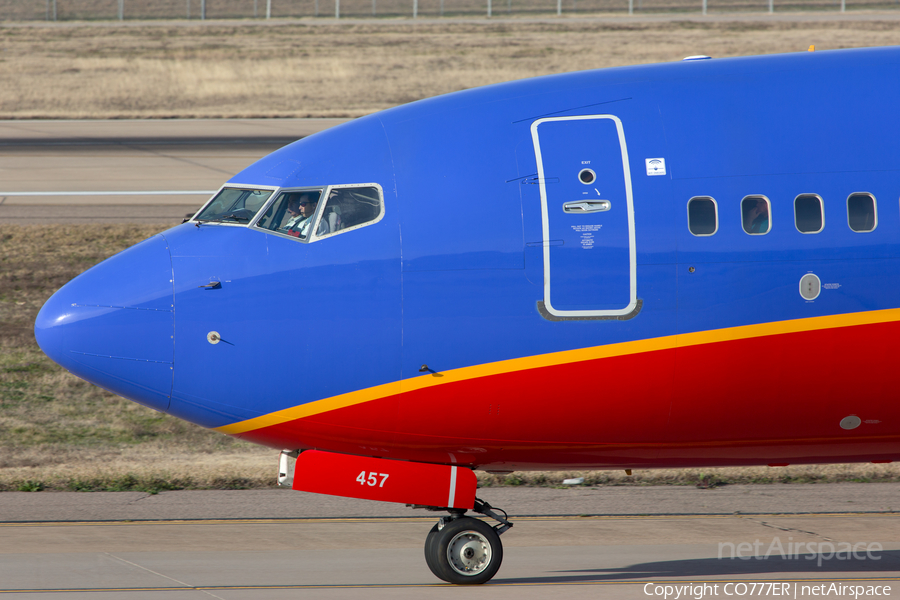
(113, 324)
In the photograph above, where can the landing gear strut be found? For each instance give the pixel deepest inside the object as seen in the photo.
(464, 550)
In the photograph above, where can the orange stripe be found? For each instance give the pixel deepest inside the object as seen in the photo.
(562, 358)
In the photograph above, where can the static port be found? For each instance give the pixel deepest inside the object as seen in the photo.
(587, 177)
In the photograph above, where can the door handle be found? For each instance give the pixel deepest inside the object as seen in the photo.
(587, 206)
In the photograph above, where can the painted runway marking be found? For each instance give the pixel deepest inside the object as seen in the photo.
(180, 583)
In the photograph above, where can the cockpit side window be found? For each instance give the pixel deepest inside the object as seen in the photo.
(314, 213)
(350, 207)
(292, 213)
(233, 205)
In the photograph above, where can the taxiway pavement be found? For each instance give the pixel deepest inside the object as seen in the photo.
(274, 544)
(123, 171)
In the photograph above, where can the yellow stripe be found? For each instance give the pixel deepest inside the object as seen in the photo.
(562, 358)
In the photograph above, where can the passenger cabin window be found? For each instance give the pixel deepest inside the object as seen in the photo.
(861, 212)
(349, 207)
(755, 211)
(703, 217)
(808, 213)
(232, 205)
(292, 213)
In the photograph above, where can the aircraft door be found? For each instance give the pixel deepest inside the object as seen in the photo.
(587, 217)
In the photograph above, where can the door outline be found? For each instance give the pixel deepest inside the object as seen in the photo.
(633, 303)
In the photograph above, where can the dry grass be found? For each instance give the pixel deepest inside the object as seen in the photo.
(57, 428)
(149, 467)
(153, 468)
(706, 478)
(35, 261)
(297, 69)
(58, 432)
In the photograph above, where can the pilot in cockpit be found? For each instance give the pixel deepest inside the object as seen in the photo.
(301, 208)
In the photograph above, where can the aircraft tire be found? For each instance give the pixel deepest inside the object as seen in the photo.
(465, 551)
(429, 549)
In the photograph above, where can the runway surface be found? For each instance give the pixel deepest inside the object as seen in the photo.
(89, 545)
(152, 171)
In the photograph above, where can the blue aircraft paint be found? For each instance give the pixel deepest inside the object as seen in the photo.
(453, 275)
(296, 320)
(113, 324)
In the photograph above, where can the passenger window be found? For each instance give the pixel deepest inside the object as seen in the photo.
(292, 213)
(755, 215)
(349, 207)
(861, 213)
(703, 217)
(808, 213)
(232, 205)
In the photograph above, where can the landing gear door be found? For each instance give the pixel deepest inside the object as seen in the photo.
(587, 218)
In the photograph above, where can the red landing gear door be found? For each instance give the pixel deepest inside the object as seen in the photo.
(385, 480)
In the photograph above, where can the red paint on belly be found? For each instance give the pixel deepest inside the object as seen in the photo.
(770, 399)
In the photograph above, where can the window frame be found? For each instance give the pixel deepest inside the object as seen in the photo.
(715, 206)
(768, 204)
(821, 212)
(874, 211)
(320, 211)
(235, 186)
(274, 198)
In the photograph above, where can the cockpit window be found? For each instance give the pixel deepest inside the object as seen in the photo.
(233, 205)
(349, 207)
(334, 209)
(293, 213)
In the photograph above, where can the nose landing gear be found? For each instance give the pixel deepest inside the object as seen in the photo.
(464, 550)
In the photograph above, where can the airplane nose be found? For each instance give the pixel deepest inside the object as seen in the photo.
(113, 325)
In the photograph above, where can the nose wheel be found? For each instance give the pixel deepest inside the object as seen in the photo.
(464, 550)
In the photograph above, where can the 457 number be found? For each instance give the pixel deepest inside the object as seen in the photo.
(371, 479)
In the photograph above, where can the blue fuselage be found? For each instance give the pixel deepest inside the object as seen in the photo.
(495, 245)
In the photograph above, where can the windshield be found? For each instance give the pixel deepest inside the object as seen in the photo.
(234, 206)
(293, 213)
